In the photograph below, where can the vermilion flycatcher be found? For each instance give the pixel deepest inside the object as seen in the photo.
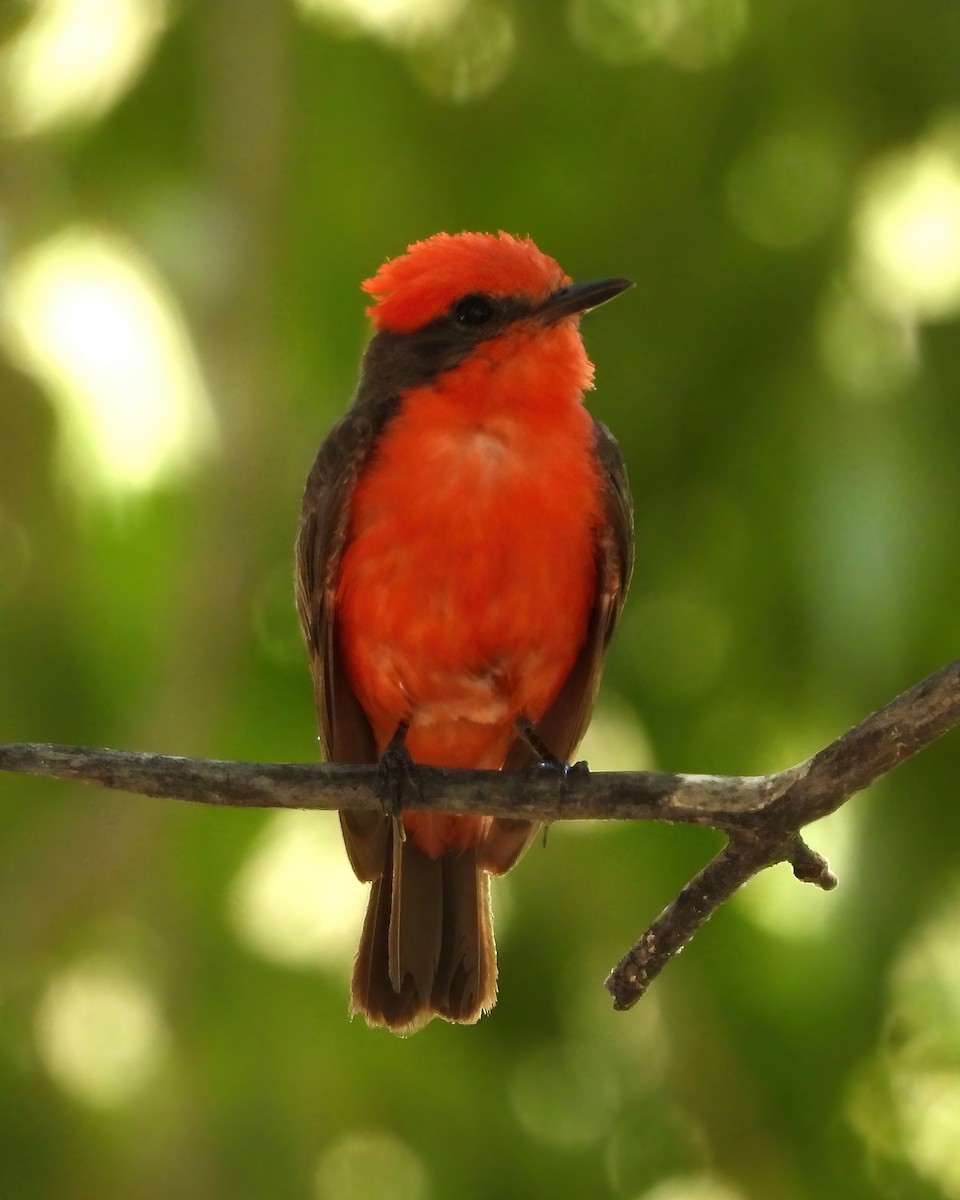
(465, 547)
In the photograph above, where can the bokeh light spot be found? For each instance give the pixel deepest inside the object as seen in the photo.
(91, 321)
(74, 59)
(296, 901)
(690, 34)
(928, 1107)
(907, 232)
(905, 1103)
(391, 20)
(692, 1187)
(370, 1166)
(468, 59)
(457, 51)
(99, 1033)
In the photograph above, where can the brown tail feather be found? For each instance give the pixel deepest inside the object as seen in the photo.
(427, 944)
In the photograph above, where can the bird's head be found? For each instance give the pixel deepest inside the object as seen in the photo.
(452, 295)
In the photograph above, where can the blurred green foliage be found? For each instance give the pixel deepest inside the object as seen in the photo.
(189, 197)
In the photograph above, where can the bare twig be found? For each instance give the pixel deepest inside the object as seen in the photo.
(761, 815)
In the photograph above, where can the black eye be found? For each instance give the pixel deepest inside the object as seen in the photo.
(475, 309)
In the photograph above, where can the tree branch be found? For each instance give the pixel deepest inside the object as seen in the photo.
(762, 815)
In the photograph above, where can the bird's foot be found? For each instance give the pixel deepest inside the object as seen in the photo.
(548, 760)
(396, 775)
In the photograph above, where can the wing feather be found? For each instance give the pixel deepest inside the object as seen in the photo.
(345, 733)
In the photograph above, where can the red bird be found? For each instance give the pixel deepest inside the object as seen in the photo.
(464, 552)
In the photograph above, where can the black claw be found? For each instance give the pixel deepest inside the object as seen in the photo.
(548, 759)
(552, 767)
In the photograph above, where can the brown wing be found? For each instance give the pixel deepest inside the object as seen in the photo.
(345, 733)
(565, 722)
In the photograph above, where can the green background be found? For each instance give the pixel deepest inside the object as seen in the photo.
(782, 180)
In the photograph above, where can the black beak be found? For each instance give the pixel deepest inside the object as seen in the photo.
(580, 298)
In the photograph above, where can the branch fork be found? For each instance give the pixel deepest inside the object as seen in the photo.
(761, 815)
